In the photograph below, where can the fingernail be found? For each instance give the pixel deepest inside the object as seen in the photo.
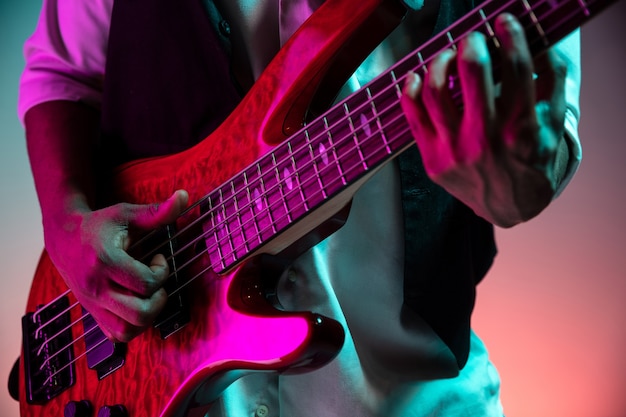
(412, 84)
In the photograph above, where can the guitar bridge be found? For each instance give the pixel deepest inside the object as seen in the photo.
(48, 354)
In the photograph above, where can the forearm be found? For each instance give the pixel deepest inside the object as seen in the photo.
(88, 246)
(60, 138)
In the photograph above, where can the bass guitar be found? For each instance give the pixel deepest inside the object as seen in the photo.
(283, 183)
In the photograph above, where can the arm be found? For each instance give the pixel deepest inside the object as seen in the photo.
(65, 59)
(88, 246)
(504, 155)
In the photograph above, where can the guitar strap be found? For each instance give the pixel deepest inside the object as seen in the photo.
(447, 248)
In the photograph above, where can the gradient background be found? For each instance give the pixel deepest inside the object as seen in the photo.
(552, 310)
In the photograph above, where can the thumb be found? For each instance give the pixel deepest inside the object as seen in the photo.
(150, 216)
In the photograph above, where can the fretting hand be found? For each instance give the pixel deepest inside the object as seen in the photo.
(501, 153)
(89, 248)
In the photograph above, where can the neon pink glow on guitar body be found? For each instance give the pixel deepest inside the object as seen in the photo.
(235, 341)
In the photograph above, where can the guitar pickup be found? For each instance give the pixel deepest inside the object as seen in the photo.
(48, 354)
(103, 356)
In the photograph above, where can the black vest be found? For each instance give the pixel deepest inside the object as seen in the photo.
(168, 68)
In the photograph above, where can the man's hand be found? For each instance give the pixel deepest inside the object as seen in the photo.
(89, 248)
(499, 153)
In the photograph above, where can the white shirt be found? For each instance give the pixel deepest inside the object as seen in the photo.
(66, 61)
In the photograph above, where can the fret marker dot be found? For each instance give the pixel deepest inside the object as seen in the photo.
(287, 177)
(365, 125)
(322, 152)
(257, 199)
(220, 222)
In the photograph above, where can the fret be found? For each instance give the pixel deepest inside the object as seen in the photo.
(373, 145)
(336, 148)
(318, 175)
(422, 63)
(342, 139)
(261, 198)
(297, 200)
(240, 239)
(355, 136)
(552, 15)
(252, 216)
(277, 200)
(283, 200)
(386, 118)
(491, 34)
(584, 8)
(263, 213)
(536, 23)
(259, 206)
(327, 169)
(231, 232)
(394, 83)
(233, 219)
(307, 175)
(214, 246)
(228, 249)
(451, 41)
(377, 118)
(171, 232)
(434, 47)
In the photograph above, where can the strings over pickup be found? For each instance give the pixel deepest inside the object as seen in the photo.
(48, 353)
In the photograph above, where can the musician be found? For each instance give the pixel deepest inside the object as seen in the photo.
(113, 80)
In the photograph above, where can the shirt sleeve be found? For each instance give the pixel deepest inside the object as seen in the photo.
(65, 56)
(569, 49)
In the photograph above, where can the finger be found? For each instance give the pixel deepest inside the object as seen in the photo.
(437, 97)
(133, 274)
(551, 71)
(136, 277)
(114, 327)
(150, 216)
(436, 156)
(517, 98)
(137, 312)
(413, 108)
(477, 85)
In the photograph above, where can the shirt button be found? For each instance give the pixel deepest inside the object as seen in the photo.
(292, 276)
(224, 28)
(262, 411)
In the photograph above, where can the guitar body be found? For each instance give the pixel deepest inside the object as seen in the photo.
(160, 376)
(232, 330)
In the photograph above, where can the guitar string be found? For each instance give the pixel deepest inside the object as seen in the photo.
(56, 318)
(250, 224)
(232, 218)
(235, 217)
(482, 23)
(324, 133)
(221, 206)
(74, 360)
(104, 339)
(70, 344)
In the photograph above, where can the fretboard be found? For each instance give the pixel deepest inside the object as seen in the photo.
(355, 136)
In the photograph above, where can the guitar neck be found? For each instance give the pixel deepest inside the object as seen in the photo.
(356, 136)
